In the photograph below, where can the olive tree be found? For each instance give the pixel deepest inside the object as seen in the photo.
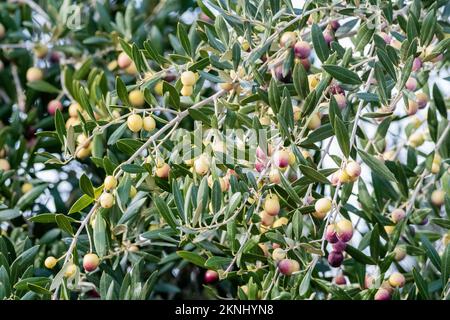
(252, 150)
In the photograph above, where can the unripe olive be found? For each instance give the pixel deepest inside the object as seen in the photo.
(187, 91)
(288, 39)
(387, 38)
(413, 106)
(369, 281)
(188, 78)
(438, 197)
(124, 61)
(74, 108)
(446, 239)
(417, 64)
(260, 154)
(353, 169)
(54, 105)
(297, 113)
(106, 200)
(133, 192)
(201, 165)
(340, 100)
(382, 294)
(278, 254)
(83, 140)
(400, 253)
(259, 166)
(315, 122)
(288, 266)
(397, 280)
(34, 74)
(227, 86)
(211, 276)
(149, 123)
(136, 98)
(422, 99)
(435, 167)
(40, 51)
(330, 233)
(131, 69)
(397, 215)
(264, 249)
(159, 88)
(416, 139)
(90, 262)
(389, 229)
(134, 122)
(343, 176)
(281, 158)
(323, 206)
(335, 258)
(265, 120)
(302, 49)
(70, 271)
(163, 171)
(344, 230)
(411, 84)
(83, 153)
(133, 248)
(50, 262)
(110, 183)
(280, 222)
(244, 43)
(274, 176)
(266, 219)
(396, 44)
(26, 187)
(272, 205)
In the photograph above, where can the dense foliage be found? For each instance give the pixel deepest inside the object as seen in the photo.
(224, 149)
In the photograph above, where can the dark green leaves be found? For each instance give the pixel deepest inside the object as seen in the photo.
(359, 256)
(363, 37)
(43, 86)
(428, 27)
(100, 235)
(439, 101)
(313, 174)
(184, 39)
(192, 258)
(376, 165)
(342, 136)
(165, 212)
(122, 91)
(86, 186)
(421, 284)
(301, 80)
(319, 43)
(431, 252)
(60, 126)
(344, 75)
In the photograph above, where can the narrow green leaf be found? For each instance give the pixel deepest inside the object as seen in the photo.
(344, 75)
(342, 136)
(86, 185)
(165, 212)
(192, 257)
(319, 43)
(376, 165)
